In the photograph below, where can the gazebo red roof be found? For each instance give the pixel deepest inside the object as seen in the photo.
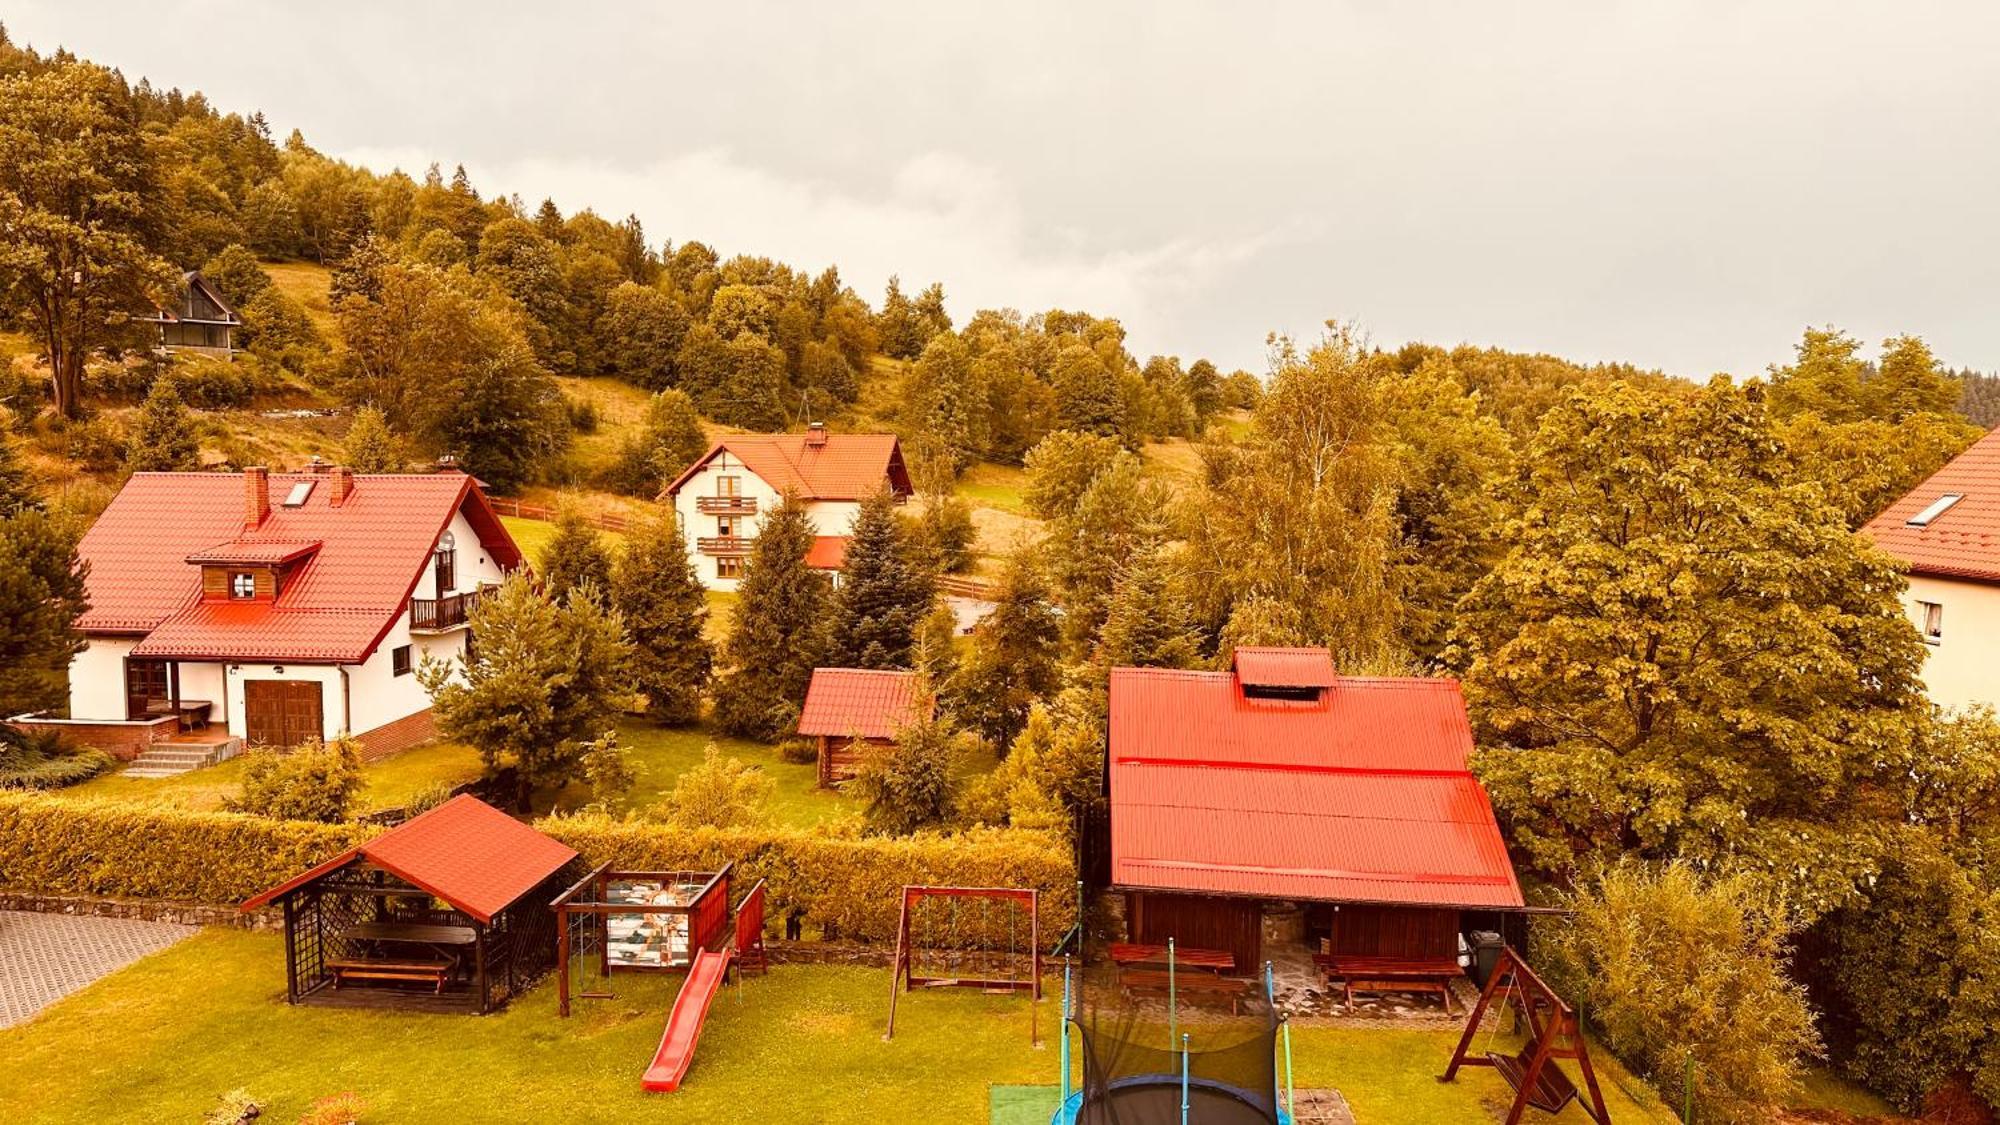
(1962, 541)
(860, 701)
(1360, 793)
(465, 851)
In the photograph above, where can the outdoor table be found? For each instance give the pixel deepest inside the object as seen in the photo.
(446, 941)
(1214, 960)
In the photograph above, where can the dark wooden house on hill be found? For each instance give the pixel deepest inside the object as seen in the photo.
(197, 320)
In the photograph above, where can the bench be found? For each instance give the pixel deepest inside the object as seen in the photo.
(1154, 982)
(432, 971)
(1365, 973)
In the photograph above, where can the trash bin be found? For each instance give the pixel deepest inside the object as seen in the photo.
(1486, 946)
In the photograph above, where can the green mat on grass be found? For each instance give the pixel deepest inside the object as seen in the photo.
(1022, 1105)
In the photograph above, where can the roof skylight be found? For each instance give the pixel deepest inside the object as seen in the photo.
(297, 496)
(1938, 507)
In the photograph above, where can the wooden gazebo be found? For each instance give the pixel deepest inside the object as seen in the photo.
(448, 911)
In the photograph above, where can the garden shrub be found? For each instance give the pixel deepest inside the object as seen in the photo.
(718, 793)
(1669, 966)
(97, 444)
(45, 759)
(313, 782)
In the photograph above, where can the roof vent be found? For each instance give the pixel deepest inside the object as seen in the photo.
(1938, 507)
(1283, 673)
(316, 464)
(815, 435)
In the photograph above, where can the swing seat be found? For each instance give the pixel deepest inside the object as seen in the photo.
(1553, 1089)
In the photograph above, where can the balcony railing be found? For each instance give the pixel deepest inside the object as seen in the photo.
(435, 615)
(726, 505)
(724, 544)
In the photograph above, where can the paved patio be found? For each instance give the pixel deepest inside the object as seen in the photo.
(45, 957)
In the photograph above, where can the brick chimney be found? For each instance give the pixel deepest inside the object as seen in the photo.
(256, 496)
(341, 485)
(815, 434)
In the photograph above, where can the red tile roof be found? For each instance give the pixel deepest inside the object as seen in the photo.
(828, 552)
(465, 851)
(1964, 540)
(841, 467)
(858, 701)
(1284, 667)
(1359, 795)
(361, 559)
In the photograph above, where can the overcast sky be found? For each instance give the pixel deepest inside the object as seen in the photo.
(1680, 185)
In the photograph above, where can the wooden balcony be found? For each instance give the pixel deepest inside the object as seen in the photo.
(724, 544)
(438, 615)
(726, 505)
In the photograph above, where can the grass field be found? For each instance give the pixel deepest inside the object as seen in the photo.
(170, 1034)
(389, 782)
(308, 283)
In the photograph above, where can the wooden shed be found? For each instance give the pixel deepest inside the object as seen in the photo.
(849, 709)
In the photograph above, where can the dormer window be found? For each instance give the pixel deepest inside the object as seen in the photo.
(242, 585)
(1938, 507)
(446, 564)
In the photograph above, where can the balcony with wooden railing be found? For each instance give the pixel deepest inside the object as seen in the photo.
(438, 615)
(726, 505)
(724, 544)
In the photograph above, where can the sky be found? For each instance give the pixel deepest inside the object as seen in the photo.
(1684, 186)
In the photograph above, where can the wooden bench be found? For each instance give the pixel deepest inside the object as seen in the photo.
(433, 971)
(1152, 982)
(1364, 973)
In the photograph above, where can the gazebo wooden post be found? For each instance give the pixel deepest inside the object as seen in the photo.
(562, 963)
(479, 960)
(291, 951)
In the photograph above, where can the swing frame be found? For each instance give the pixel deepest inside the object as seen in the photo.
(1554, 1032)
(903, 976)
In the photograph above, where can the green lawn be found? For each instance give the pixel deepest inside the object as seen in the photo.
(994, 486)
(661, 754)
(1827, 1091)
(390, 782)
(803, 1044)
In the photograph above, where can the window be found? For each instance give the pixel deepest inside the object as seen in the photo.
(242, 585)
(399, 660)
(729, 486)
(447, 564)
(725, 526)
(729, 568)
(1938, 507)
(296, 498)
(1933, 621)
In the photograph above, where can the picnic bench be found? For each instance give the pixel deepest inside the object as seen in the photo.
(435, 972)
(1199, 986)
(443, 944)
(1367, 973)
(1132, 953)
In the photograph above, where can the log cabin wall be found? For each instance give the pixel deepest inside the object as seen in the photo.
(1232, 925)
(1387, 931)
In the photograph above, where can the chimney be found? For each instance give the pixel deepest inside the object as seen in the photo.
(316, 466)
(815, 434)
(256, 496)
(341, 485)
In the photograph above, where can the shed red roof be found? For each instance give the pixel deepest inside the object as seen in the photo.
(354, 564)
(1361, 794)
(837, 467)
(860, 701)
(1963, 541)
(465, 851)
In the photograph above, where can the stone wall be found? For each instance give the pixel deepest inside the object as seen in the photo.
(186, 914)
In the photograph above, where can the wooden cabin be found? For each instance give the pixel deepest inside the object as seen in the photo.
(199, 319)
(848, 710)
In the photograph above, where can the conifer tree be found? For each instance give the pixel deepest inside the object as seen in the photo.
(17, 485)
(163, 439)
(779, 629)
(41, 597)
(370, 447)
(1013, 661)
(575, 556)
(884, 591)
(653, 586)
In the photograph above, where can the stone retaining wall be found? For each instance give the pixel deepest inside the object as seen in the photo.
(186, 914)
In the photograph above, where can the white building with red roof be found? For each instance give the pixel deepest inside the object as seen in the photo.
(1946, 531)
(721, 498)
(278, 607)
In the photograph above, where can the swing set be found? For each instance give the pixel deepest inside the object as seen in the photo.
(967, 937)
(1553, 1033)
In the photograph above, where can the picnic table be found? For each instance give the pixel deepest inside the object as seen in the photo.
(1192, 986)
(445, 943)
(1132, 953)
(1371, 973)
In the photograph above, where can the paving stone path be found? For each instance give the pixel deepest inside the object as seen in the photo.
(45, 957)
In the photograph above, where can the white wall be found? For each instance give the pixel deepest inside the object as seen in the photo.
(1963, 665)
(475, 562)
(379, 696)
(97, 678)
(829, 517)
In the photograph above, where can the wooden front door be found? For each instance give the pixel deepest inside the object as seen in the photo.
(145, 683)
(281, 712)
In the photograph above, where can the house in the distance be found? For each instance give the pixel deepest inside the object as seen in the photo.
(848, 710)
(197, 320)
(1947, 532)
(721, 498)
(1278, 801)
(270, 609)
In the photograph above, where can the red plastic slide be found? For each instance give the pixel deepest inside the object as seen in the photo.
(670, 1063)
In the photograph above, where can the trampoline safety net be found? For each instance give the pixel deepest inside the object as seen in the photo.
(1130, 1077)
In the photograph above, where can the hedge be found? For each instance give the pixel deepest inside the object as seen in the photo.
(849, 885)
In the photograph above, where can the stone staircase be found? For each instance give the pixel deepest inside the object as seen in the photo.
(178, 756)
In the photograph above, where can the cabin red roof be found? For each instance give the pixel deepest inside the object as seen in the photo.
(859, 701)
(353, 564)
(1359, 793)
(818, 467)
(465, 851)
(1963, 541)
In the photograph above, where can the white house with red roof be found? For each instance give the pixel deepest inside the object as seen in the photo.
(277, 607)
(1946, 531)
(720, 500)
(1348, 798)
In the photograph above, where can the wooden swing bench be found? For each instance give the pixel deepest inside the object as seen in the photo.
(1554, 1032)
(1552, 1090)
(434, 972)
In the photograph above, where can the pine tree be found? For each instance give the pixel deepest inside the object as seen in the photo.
(370, 447)
(17, 484)
(163, 439)
(41, 597)
(575, 556)
(884, 591)
(1013, 661)
(779, 629)
(666, 616)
